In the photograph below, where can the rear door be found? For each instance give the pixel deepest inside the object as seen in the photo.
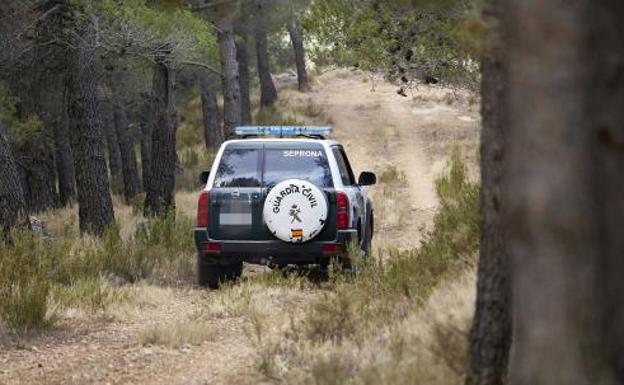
(236, 195)
(304, 160)
(249, 170)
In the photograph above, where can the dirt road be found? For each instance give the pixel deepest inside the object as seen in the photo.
(381, 131)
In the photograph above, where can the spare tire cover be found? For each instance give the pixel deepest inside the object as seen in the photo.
(295, 210)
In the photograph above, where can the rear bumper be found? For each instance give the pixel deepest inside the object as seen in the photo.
(272, 251)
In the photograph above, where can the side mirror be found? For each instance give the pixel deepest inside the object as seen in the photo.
(203, 177)
(367, 179)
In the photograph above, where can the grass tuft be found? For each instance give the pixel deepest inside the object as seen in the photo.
(178, 334)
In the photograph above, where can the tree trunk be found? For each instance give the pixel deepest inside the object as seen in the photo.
(213, 134)
(159, 199)
(114, 152)
(490, 337)
(296, 36)
(12, 203)
(230, 76)
(130, 173)
(268, 93)
(564, 192)
(40, 175)
(64, 163)
(242, 57)
(87, 138)
(147, 125)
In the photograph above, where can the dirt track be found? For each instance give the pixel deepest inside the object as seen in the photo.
(378, 129)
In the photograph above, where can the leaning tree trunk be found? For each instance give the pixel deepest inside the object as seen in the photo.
(12, 203)
(564, 192)
(268, 93)
(147, 124)
(242, 57)
(296, 36)
(230, 76)
(159, 198)
(490, 337)
(130, 173)
(213, 134)
(87, 139)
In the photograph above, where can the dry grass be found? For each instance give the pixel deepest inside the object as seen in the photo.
(74, 275)
(194, 331)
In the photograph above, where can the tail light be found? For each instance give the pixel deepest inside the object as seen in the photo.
(333, 248)
(342, 213)
(203, 204)
(212, 247)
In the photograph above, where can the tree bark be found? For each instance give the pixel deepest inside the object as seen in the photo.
(213, 134)
(147, 126)
(230, 76)
(114, 152)
(130, 173)
(40, 174)
(159, 199)
(87, 139)
(12, 203)
(564, 201)
(490, 337)
(296, 37)
(64, 162)
(242, 57)
(268, 93)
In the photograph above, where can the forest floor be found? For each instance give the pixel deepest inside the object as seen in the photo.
(185, 335)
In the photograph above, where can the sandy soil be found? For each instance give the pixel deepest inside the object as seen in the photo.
(378, 129)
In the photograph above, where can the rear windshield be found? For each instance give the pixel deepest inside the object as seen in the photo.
(310, 165)
(244, 167)
(239, 168)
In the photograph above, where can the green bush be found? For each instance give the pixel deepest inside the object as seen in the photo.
(24, 281)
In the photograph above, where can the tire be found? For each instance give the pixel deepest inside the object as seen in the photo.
(210, 274)
(234, 271)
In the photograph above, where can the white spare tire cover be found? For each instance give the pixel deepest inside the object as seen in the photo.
(295, 211)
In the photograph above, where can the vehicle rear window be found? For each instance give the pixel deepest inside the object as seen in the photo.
(239, 168)
(310, 165)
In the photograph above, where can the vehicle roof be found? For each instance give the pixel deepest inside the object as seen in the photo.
(329, 142)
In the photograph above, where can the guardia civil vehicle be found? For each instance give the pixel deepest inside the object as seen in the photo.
(279, 196)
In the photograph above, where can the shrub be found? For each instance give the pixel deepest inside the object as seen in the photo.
(24, 281)
(74, 272)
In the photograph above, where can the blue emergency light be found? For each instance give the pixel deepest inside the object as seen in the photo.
(282, 131)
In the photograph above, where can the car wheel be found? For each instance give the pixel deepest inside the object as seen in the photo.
(210, 274)
(234, 270)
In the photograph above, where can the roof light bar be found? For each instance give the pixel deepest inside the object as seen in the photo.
(282, 131)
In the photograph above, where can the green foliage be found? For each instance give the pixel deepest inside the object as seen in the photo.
(24, 282)
(134, 28)
(406, 38)
(23, 132)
